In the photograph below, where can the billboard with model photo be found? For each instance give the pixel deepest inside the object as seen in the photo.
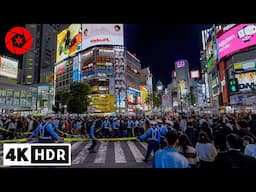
(102, 34)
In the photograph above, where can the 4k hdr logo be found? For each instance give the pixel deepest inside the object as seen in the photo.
(37, 154)
(18, 40)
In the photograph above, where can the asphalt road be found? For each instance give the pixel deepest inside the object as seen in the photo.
(110, 154)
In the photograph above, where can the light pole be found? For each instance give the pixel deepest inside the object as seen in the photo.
(119, 102)
(181, 110)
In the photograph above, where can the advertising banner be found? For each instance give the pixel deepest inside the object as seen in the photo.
(237, 38)
(120, 100)
(247, 81)
(194, 74)
(68, 42)
(60, 68)
(102, 34)
(143, 93)
(8, 67)
(76, 69)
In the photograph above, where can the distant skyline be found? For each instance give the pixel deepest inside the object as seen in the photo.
(157, 46)
(160, 45)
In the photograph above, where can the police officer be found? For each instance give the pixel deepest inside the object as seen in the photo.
(92, 136)
(45, 132)
(153, 135)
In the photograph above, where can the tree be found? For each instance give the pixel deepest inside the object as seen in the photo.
(79, 97)
(157, 100)
(149, 98)
(61, 98)
(192, 98)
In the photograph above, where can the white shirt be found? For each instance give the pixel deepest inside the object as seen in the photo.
(206, 151)
(192, 150)
(250, 150)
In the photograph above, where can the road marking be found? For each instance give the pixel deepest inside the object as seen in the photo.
(101, 153)
(145, 146)
(82, 155)
(136, 152)
(119, 153)
(75, 146)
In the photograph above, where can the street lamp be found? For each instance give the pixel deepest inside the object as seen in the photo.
(119, 102)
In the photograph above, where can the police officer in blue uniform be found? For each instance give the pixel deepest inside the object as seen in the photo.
(92, 136)
(153, 136)
(45, 132)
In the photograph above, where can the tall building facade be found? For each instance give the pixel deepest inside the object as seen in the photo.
(14, 98)
(38, 64)
(102, 60)
(230, 67)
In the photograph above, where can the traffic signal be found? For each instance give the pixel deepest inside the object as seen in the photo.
(233, 85)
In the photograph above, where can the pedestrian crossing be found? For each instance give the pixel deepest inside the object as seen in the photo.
(108, 154)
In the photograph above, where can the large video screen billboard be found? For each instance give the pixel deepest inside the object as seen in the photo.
(68, 42)
(239, 37)
(8, 67)
(102, 34)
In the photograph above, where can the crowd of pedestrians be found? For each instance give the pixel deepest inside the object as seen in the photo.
(178, 141)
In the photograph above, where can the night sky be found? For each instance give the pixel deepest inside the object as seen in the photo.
(156, 45)
(160, 45)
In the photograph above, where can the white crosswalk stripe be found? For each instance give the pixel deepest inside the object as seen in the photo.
(135, 151)
(119, 153)
(75, 146)
(101, 154)
(81, 156)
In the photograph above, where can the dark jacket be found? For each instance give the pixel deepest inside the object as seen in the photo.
(234, 159)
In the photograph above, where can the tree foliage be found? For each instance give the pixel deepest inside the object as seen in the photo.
(61, 98)
(78, 102)
(155, 99)
(76, 99)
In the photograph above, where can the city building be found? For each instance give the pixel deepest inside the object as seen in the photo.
(14, 98)
(100, 59)
(230, 67)
(37, 66)
(183, 84)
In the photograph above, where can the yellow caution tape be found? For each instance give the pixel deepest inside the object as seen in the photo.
(25, 133)
(13, 140)
(101, 139)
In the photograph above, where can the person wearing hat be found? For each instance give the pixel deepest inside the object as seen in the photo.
(163, 131)
(45, 132)
(153, 136)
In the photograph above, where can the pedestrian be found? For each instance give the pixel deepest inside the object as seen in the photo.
(92, 136)
(250, 149)
(45, 132)
(153, 136)
(169, 157)
(206, 151)
(233, 157)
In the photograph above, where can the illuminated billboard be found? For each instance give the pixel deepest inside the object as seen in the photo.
(68, 42)
(180, 63)
(60, 68)
(237, 38)
(102, 34)
(194, 74)
(8, 67)
(247, 81)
